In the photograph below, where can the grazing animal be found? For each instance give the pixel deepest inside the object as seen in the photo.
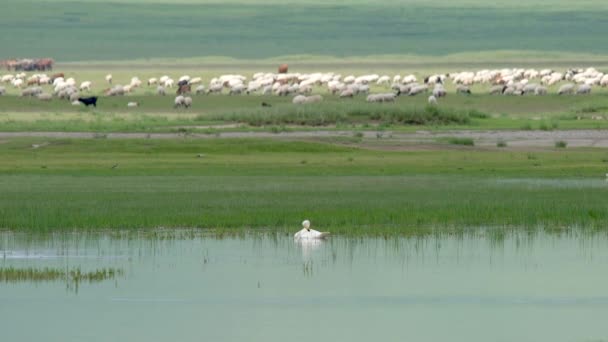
(283, 68)
(432, 100)
(178, 102)
(160, 90)
(88, 101)
(264, 104)
(566, 89)
(133, 104)
(183, 89)
(182, 101)
(462, 89)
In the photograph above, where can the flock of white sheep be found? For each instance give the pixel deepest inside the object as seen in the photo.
(509, 81)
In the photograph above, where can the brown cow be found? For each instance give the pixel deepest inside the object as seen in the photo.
(283, 68)
(183, 89)
(54, 76)
(44, 64)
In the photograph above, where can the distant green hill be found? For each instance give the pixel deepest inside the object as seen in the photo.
(246, 29)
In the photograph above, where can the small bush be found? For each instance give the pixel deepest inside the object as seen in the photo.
(461, 141)
(501, 143)
(561, 144)
(527, 126)
(544, 127)
(477, 114)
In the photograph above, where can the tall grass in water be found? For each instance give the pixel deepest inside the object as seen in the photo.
(72, 277)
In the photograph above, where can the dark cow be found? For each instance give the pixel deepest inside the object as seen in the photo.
(183, 89)
(283, 68)
(87, 101)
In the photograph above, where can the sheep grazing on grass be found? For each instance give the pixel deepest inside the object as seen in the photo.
(45, 97)
(88, 101)
(419, 89)
(2, 90)
(583, 89)
(200, 89)
(462, 89)
(195, 80)
(109, 78)
(152, 81)
(133, 104)
(73, 96)
(187, 102)
(347, 93)
(566, 89)
(439, 91)
(530, 88)
(215, 88)
(432, 100)
(540, 90)
(76, 103)
(31, 91)
(160, 90)
(302, 99)
(498, 89)
(386, 97)
(86, 85)
(178, 102)
(182, 101)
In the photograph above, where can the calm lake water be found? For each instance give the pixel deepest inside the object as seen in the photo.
(187, 286)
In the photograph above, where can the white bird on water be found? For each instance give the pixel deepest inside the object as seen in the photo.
(307, 233)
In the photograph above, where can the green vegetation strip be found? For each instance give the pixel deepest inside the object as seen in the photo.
(70, 276)
(156, 114)
(264, 184)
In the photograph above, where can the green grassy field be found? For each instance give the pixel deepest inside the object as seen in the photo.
(266, 184)
(94, 30)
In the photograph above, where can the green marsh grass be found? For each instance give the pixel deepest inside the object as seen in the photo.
(257, 184)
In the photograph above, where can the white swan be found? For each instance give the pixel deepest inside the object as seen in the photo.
(307, 233)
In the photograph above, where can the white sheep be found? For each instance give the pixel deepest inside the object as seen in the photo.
(540, 91)
(133, 104)
(2, 90)
(44, 97)
(179, 101)
(86, 85)
(566, 89)
(187, 102)
(160, 90)
(463, 89)
(583, 89)
(152, 81)
(76, 103)
(299, 99)
(195, 80)
(432, 100)
(200, 89)
(109, 78)
(385, 97)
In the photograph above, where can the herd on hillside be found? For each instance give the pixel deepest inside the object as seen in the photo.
(376, 88)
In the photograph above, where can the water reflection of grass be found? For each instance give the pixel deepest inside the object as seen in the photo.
(72, 277)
